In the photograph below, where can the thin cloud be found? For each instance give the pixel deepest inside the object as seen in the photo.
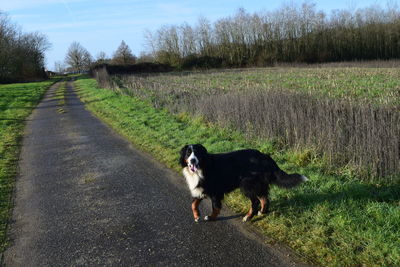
(69, 11)
(27, 4)
(175, 9)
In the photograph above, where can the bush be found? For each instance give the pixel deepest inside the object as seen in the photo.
(145, 67)
(201, 62)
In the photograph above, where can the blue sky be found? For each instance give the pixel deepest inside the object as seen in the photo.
(101, 25)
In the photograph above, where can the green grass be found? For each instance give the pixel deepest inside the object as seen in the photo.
(16, 103)
(60, 96)
(330, 220)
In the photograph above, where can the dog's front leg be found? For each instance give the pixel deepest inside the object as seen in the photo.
(195, 209)
(216, 206)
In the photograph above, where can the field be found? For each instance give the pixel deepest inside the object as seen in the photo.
(347, 117)
(16, 103)
(340, 217)
(377, 85)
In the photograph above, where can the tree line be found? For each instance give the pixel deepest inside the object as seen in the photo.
(22, 55)
(292, 33)
(78, 59)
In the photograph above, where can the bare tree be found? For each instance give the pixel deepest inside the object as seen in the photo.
(35, 45)
(293, 33)
(22, 55)
(145, 57)
(123, 55)
(150, 42)
(204, 37)
(7, 37)
(78, 58)
(187, 40)
(168, 50)
(59, 67)
(101, 58)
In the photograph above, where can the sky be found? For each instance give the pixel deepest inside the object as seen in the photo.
(101, 25)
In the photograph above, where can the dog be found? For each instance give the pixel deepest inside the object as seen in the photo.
(213, 175)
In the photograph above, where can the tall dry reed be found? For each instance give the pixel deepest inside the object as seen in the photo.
(347, 134)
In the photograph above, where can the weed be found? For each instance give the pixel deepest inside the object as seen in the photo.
(88, 178)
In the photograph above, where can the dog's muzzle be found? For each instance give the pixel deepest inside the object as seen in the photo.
(193, 164)
(193, 167)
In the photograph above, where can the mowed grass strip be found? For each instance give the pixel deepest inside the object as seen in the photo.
(16, 103)
(330, 220)
(60, 97)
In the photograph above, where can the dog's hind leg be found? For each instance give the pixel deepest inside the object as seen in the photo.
(195, 209)
(264, 205)
(253, 209)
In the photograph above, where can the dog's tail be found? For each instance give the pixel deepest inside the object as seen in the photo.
(282, 179)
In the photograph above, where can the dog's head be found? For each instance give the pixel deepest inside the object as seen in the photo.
(193, 157)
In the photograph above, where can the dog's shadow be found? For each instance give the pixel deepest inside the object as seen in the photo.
(223, 217)
(351, 192)
(306, 201)
(227, 218)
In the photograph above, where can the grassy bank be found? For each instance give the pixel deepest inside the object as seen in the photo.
(16, 103)
(331, 220)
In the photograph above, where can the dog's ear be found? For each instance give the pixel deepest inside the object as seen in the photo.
(182, 156)
(204, 150)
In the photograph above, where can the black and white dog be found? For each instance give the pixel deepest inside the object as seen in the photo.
(213, 175)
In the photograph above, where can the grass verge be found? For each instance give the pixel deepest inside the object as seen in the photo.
(60, 97)
(16, 102)
(331, 220)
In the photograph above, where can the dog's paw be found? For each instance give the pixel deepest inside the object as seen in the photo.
(245, 218)
(262, 213)
(210, 218)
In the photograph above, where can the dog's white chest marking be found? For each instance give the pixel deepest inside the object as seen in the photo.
(192, 180)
